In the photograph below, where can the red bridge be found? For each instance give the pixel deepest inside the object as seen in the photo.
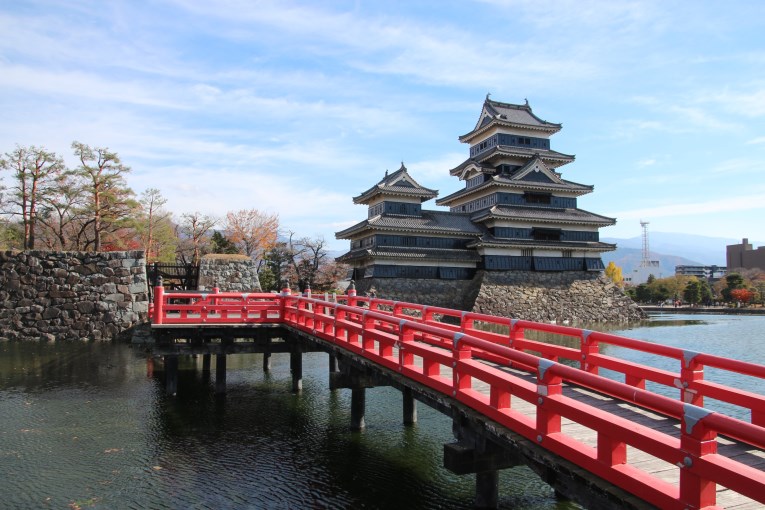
(602, 442)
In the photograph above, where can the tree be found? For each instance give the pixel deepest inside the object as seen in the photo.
(614, 272)
(276, 267)
(692, 292)
(643, 293)
(154, 227)
(742, 296)
(193, 236)
(63, 214)
(733, 281)
(252, 231)
(706, 292)
(109, 198)
(221, 244)
(35, 171)
(312, 267)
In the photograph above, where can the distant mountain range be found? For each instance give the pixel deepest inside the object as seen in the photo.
(671, 250)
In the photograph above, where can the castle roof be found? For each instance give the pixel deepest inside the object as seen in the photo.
(509, 115)
(488, 240)
(411, 254)
(533, 176)
(429, 222)
(543, 215)
(399, 183)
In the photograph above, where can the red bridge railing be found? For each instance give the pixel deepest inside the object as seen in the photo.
(447, 350)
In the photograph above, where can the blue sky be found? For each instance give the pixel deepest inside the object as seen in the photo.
(296, 107)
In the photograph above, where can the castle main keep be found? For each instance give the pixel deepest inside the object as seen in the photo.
(514, 241)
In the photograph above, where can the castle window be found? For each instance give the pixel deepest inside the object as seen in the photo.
(527, 252)
(567, 254)
(546, 234)
(537, 198)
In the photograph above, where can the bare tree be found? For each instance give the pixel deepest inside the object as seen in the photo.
(312, 266)
(252, 231)
(193, 233)
(35, 171)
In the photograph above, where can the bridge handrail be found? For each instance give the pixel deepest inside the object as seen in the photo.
(393, 334)
(359, 330)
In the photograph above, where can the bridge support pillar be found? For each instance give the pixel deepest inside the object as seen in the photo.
(333, 365)
(474, 453)
(220, 374)
(171, 374)
(358, 405)
(410, 407)
(205, 366)
(487, 489)
(296, 366)
(266, 361)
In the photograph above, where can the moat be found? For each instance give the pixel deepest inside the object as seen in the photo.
(89, 426)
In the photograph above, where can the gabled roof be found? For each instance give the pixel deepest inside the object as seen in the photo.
(550, 157)
(509, 115)
(429, 222)
(399, 183)
(533, 176)
(543, 215)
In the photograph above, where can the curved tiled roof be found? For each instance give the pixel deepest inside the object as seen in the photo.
(489, 240)
(503, 182)
(508, 114)
(442, 222)
(398, 183)
(543, 215)
(411, 253)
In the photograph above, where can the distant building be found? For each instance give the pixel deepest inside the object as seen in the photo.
(515, 212)
(645, 270)
(648, 267)
(744, 256)
(706, 272)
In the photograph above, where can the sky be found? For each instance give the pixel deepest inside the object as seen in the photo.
(294, 108)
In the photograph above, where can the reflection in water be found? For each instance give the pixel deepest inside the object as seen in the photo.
(82, 426)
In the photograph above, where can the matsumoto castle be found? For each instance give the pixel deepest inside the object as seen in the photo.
(514, 213)
(513, 243)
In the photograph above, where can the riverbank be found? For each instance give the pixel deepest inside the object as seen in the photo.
(720, 310)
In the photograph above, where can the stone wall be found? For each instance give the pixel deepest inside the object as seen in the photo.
(573, 296)
(230, 273)
(71, 295)
(446, 293)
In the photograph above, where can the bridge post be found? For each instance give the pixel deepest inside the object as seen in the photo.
(159, 300)
(487, 489)
(475, 453)
(171, 374)
(220, 374)
(296, 367)
(696, 441)
(266, 361)
(333, 364)
(410, 407)
(205, 367)
(358, 404)
(691, 372)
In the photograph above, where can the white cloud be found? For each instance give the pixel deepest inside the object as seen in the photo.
(739, 203)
